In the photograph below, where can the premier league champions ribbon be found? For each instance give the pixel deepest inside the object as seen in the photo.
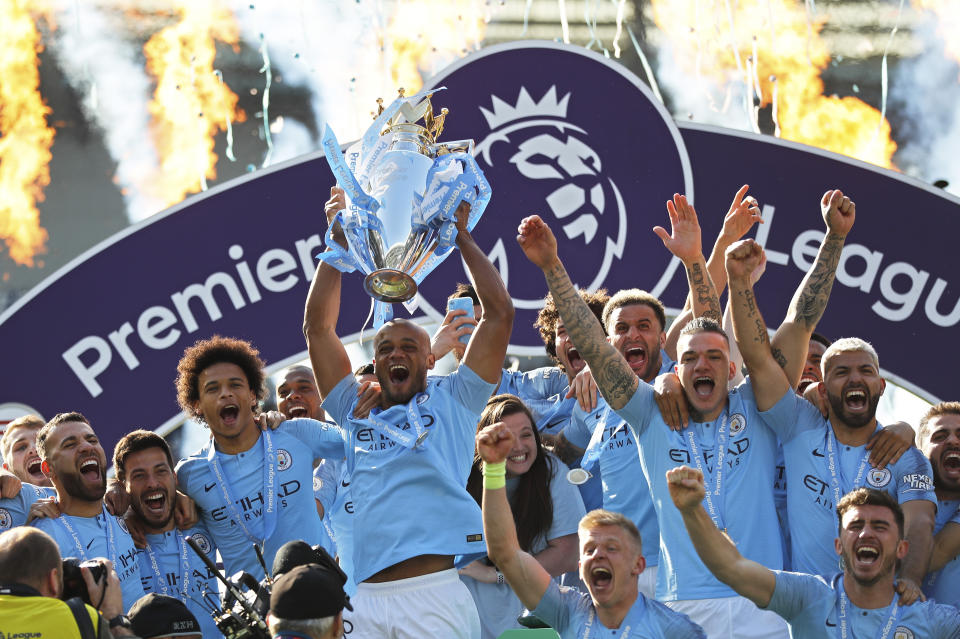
(403, 191)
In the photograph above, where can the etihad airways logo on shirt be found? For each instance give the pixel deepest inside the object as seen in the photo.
(251, 506)
(735, 453)
(370, 440)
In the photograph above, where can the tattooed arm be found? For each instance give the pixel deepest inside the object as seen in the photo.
(809, 302)
(613, 375)
(767, 378)
(684, 243)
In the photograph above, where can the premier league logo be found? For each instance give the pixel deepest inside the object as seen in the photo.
(567, 135)
(202, 542)
(284, 459)
(879, 477)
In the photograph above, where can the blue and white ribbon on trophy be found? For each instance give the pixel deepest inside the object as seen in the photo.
(452, 178)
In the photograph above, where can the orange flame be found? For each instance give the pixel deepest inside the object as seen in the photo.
(191, 104)
(25, 137)
(423, 36)
(773, 47)
(948, 22)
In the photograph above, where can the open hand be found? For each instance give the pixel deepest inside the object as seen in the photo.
(456, 324)
(684, 239)
(742, 258)
(368, 396)
(686, 487)
(494, 443)
(585, 389)
(537, 241)
(744, 212)
(838, 211)
(44, 508)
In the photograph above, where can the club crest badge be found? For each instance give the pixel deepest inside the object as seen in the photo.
(737, 423)
(879, 477)
(203, 542)
(284, 459)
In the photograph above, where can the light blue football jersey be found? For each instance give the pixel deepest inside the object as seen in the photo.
(810, 605)
(542, 390)
(571, 613)
(14, 510)
(236, 525)
(745, 505)
(165, 562)
(102, 536)
(944, 585)
(411, 501)
(807, 440)
(326, 478)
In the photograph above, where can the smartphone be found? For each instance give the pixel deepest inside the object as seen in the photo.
(462, 304)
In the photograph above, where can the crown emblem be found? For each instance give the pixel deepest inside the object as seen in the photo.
(408, 113)
(525, 107)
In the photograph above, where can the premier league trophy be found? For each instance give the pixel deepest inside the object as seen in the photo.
(403, 189)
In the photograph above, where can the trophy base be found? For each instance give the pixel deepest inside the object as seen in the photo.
(390, 285)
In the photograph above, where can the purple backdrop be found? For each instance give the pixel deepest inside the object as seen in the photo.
(564, 133)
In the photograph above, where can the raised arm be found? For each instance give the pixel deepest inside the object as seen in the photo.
(767, 378)
(522, 571)
(792, 339)
(488, 346)
(613, 375)
(750, 579)
(327, 354)
(684, 242)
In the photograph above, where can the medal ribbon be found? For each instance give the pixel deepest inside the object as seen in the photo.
(836, 472)
(160, 584)
(397, 434)
(269, 479)
(111, 543)
(893, 613)
(713, 482)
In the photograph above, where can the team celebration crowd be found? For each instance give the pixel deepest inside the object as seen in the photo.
(696, 479)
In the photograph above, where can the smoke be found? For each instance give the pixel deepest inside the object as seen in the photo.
(927, 90)
(333, 49)
(106, 69)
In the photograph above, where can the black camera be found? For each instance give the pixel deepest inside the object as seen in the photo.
(73, 583)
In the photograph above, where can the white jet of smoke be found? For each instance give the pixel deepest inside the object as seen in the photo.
(330, 48)
(927, 88)
(700, 99)
(108, 72)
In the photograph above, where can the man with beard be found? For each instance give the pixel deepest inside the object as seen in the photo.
(250, 486)
(417, 445)
(611, 558)
(859, 602)
(704, 369)
(825, 459)
(18, 448)
(939, 437)
(168, 566)
(74, 461)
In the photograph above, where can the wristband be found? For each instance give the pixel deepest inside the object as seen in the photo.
(494, 475)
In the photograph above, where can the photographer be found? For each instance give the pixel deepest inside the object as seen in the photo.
(31, 582)
(307, 603)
